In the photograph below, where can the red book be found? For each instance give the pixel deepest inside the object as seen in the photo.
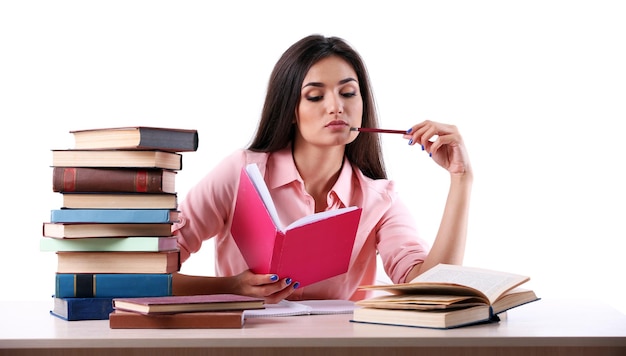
(187, 303)
(309, 250)
(204, 320)
(84, 179)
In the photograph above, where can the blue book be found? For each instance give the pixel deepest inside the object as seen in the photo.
(118, 216)
(105, 285)
(72, 309)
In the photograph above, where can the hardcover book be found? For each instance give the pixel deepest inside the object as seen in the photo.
(116, 216)
(446, 296)
(129, 180)
(119, 285)
(81, 230)
(137, 137)
(75, 309)
(300, 250)
(188, 303)
(117, 158)
(110, 244)
(119, 201)
(117, 262)
(119, 319)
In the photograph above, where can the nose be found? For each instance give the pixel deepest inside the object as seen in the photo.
(335, 104)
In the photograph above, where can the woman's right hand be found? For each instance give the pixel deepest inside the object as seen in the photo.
(268, 286)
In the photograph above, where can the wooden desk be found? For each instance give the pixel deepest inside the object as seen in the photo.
(541, 328)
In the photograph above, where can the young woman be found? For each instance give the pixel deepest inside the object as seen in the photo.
(313, 162)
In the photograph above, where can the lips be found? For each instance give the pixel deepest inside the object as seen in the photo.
(336, 123)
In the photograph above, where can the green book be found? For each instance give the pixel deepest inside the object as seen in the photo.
(105, 244)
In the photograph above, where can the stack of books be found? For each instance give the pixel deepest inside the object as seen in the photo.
(112, 234)
(445, 297)
(224, 311)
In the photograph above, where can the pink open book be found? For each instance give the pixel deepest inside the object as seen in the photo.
(309, 250)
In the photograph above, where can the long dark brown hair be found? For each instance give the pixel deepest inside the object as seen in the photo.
(276, 129)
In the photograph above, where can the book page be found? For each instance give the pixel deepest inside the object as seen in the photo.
(257, 179)
(259, 183)
(492, 283)
(303, 307)
(319, 216)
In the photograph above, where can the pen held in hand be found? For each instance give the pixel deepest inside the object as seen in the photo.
(369, 129)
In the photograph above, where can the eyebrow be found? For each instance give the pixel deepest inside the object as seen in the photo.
(319, 84)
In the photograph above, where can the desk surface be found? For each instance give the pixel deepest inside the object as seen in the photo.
(543, 324)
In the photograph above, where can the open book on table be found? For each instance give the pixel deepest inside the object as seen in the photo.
(311, 249)
(446, 296)
(303, 307)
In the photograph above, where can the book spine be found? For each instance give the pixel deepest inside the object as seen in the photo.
(77, 179)
(74, 309)
(110, 216)
(123, 285)
(170, 140)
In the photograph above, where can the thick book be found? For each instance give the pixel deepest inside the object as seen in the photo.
(115, 216)
(119, 201)
(110, 244)
(188, 303)
(119, 319)
(76, 309)
(82, 230)
(117, 262)
(117, 158)
(444, 297)
(138, 138)
(309, 250)
(127, 180)
(108, 285)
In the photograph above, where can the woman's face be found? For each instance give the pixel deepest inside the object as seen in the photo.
(330, 103)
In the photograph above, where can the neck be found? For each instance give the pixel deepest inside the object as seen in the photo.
(319, 168)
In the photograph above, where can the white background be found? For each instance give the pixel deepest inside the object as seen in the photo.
(537, 88)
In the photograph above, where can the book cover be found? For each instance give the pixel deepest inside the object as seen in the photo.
(302, 250)
(85, 200)
(119, 285)
(117, 158)
(75, 309)
(116, 216)
(137, 137)
(129, 180)
(188, 303)
(110, 244)
(82, 230)
(446, 296)
(117, 262)
(119, 319)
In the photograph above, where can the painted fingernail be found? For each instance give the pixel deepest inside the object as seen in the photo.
(273, 278)
(288, 281)
(409, 130)
(423, 147)
(410, 142)
(430, 154)
(296, 285)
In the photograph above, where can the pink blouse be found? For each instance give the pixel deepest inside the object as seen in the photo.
(386, 225)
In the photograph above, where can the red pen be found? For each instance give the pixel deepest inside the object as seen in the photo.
(369, 129)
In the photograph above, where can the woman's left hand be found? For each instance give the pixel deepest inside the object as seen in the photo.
(444, 143)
